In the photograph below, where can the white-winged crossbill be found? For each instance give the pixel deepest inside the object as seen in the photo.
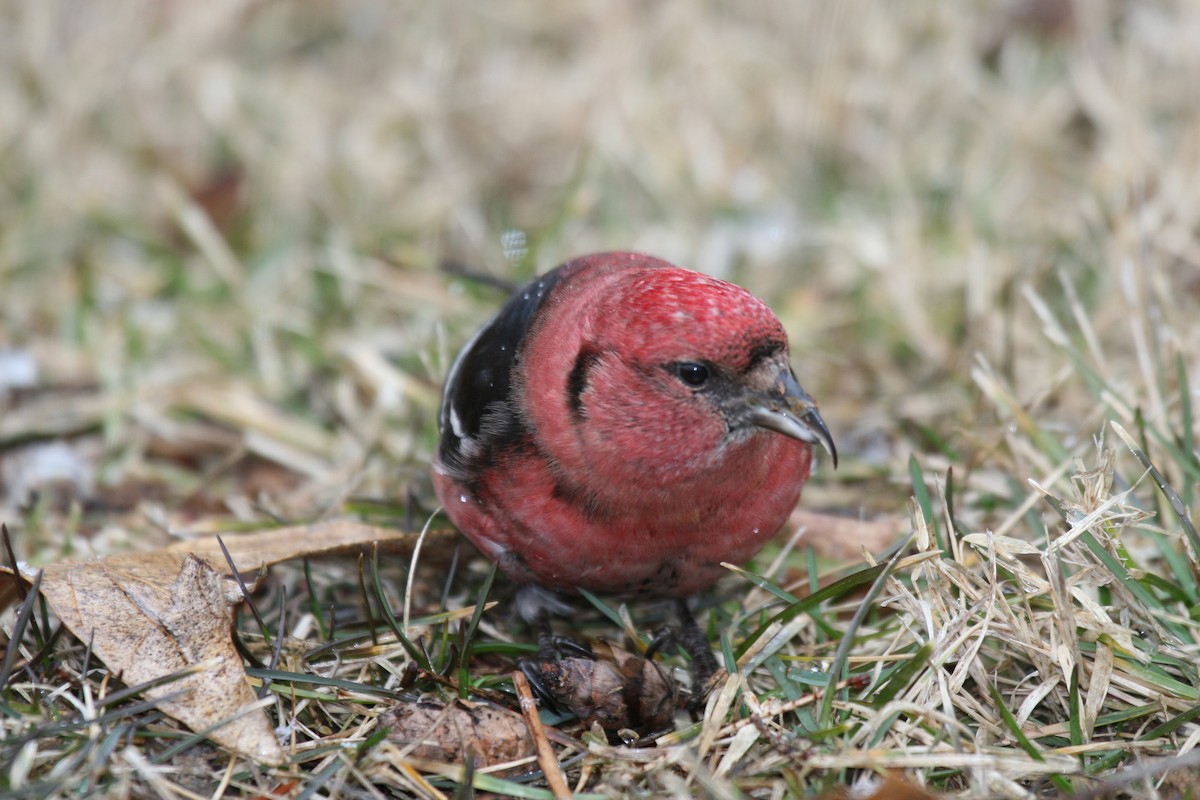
(624, 425)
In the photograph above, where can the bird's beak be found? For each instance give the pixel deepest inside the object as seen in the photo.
(786, 408)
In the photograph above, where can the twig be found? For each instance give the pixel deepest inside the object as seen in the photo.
(546, 759)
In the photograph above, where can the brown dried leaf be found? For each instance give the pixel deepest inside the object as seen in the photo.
(263, 548)
(896, 788)
(452, 732)
(893, 787)
(149, 615)
(152, 614)
(222, 197)
(618, 689)
(844, 538)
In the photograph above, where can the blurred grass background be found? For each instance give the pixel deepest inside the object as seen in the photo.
(232, 233)
(256, 198)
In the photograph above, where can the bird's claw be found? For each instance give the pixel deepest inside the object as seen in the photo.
(664, 637)
(553, 646)
(533, 673)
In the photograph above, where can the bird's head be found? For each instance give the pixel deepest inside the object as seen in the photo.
(672, 371)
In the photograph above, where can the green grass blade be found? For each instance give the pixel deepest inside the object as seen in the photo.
(1022, 740)
(830, 592)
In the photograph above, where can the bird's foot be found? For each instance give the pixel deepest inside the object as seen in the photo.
(704, 664)
(553, 646)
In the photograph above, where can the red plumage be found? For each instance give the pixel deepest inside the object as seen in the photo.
(624, 425)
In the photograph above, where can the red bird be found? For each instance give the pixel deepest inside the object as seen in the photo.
(624, 425)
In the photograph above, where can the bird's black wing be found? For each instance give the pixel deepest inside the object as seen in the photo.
(477, 411)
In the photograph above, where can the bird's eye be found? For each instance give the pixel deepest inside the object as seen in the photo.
(691, 373)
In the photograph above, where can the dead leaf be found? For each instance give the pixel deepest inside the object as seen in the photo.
(844, 538)
(264, 548)
(895, 787)
(617, 689)
(222, 196)
(452, 732)
(892, 787)
(149, 615)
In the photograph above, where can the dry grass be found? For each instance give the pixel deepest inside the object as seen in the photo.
(223, 228)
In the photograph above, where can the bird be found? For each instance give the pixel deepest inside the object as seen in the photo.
(625, 426)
